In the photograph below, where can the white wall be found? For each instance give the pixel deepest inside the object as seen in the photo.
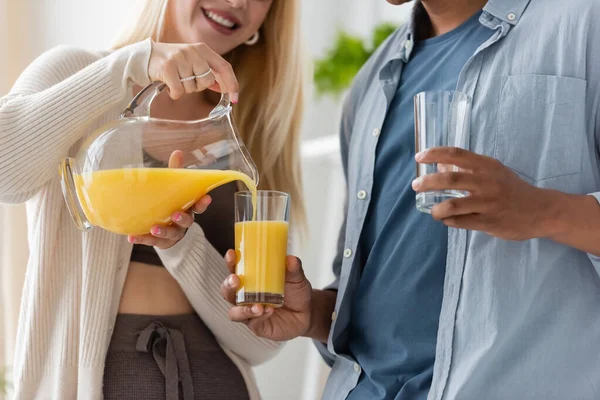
(13, 243)
(3, 88)
(90, 24)
(4, 85)
(298, 373)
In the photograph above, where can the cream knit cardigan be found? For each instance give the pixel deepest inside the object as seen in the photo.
(74, 280)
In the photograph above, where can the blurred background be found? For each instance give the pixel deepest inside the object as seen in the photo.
(30, 27)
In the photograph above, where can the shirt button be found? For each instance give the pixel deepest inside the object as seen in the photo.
(511, 16)
(408, 45)
(347, 253)
(376, 132)
(361, 195)
(333, 316)
(356, 367)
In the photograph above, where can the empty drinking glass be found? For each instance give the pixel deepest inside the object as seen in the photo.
(441, 119)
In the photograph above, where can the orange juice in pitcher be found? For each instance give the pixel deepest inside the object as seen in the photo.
(131, 201)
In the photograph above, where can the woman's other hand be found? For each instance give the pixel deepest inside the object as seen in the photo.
(164, 237)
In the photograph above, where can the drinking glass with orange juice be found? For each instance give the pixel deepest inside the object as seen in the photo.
(261, 239)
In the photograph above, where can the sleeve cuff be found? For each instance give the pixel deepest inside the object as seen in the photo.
(333, 286)
(595, 259)
(596, 195)
(325, 354)
(134, 59)
(174, 256)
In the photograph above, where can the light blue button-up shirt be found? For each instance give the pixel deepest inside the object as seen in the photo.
(519, 320)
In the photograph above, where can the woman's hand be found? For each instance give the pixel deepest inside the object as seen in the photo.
(169, 63)
(164, 237)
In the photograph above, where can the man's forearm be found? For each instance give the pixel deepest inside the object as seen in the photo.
(323, 305)
(574, 220)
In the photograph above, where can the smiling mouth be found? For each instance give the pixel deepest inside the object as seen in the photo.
(220, 20)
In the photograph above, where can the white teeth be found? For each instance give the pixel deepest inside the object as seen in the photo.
(220, 20)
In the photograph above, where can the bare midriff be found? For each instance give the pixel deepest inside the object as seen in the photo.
(151, 290)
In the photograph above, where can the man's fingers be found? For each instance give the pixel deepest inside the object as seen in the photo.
(456, 156)
(473, 222)
(231, 260)
(245, 313)
(449, 181)
(294, 273)
(257, 325)
(459, 206)
(229, 287)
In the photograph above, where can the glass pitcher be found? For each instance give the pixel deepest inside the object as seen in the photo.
(135, 172)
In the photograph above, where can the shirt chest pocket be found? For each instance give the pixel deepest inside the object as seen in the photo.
(541, 125)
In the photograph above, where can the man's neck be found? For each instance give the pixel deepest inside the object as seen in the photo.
(446, 15)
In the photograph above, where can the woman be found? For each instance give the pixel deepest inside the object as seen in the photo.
(100, 317)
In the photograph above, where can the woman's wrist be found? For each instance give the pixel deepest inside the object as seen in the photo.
(176, 254)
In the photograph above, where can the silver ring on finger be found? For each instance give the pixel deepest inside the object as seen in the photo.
(204, 75)
(194, 77)
(205, 80)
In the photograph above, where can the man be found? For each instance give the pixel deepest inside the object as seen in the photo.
(495, 296)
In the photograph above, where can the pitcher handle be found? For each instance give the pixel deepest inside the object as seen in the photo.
(140, 104)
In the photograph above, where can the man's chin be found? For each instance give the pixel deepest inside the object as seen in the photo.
(398, 2)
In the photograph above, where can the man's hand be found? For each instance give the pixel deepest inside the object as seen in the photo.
(499, 202)
(280, 324)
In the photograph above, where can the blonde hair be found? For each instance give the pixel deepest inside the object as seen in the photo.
(271, 74)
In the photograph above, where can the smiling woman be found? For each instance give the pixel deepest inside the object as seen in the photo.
(101, 317)
(209, 21)
(221, 20)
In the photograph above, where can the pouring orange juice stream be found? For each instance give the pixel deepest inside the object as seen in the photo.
(130, 201)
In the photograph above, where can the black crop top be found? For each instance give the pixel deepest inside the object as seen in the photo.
(217, 223)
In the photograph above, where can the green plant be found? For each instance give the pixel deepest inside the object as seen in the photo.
(334, 73)
(3, 383)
